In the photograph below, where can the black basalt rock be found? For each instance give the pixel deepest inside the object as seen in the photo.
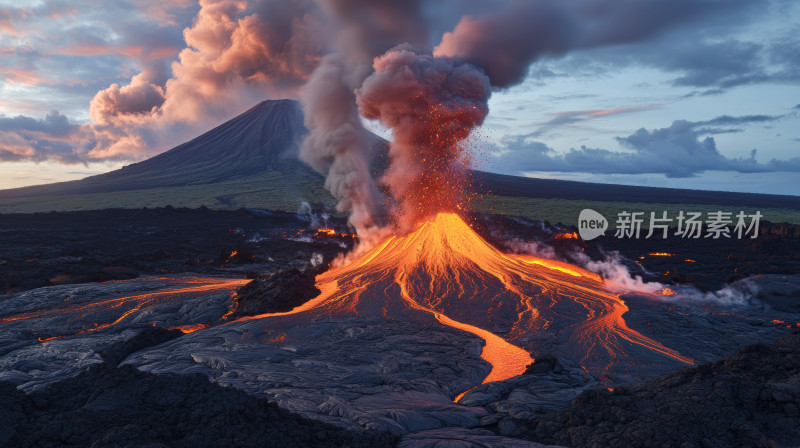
(277, 292)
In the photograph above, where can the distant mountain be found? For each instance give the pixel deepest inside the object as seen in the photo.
(265, 138)
(526, 187)
(252, 160)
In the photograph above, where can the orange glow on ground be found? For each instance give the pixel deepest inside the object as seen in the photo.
(447, 272)
(94, 316)
(567, 236)
(660, 254)
(191, 328)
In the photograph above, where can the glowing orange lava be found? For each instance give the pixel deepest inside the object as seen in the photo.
(446, 271)
(191, 328)
(327, 231)
(567, 236)
(98, 315)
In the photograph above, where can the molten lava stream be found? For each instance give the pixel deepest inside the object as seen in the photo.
(102, 314)
(446, 271)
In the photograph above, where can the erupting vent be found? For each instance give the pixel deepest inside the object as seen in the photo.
(447, 272)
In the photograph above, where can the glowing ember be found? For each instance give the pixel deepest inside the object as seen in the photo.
(567, 236)
(660, 254)
(327, 232)
(191, 328)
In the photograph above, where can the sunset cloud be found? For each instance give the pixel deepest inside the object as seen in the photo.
(232, 55)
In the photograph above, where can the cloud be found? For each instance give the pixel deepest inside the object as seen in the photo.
(507, 41)
(572, 117)
(53, 124)
(165, 12)
(25, 138)
(684, 149)
(714, 58)
(139, 98)
(160, 71)
(234, 51)
(233, 55)
(6, 22)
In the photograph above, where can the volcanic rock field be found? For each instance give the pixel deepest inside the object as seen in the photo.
(179, 327)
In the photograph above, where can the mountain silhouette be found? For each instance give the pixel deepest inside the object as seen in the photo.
(251, 160)
(264, 138)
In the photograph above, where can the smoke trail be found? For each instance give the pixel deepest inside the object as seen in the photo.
(431, 105)
(338, 146)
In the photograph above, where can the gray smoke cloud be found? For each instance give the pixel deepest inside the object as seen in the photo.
(499, 44)
(506, 42)
(338, 146)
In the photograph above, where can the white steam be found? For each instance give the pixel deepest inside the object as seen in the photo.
(619, 279)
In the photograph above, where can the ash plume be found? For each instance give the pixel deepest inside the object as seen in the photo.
(338, 146)
(432, 102)
(431, 105)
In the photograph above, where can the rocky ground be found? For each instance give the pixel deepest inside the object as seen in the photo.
(706, 263)
(110, 406)
(748, 399)
(361, 381)
(46, 249)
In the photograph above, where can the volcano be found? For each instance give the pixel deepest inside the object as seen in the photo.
(262, 139)
(401, 331)
(516, 303)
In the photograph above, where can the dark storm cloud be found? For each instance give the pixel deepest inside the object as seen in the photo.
(683, 149)
(727, 120)
(712, 54)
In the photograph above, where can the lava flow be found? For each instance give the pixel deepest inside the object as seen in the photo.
(84, 315)
(518, 304)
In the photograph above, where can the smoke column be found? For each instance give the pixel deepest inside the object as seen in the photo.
(431, 105)
(432, 102)
(338, 146)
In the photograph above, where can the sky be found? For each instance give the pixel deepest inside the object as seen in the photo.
(705, 94)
